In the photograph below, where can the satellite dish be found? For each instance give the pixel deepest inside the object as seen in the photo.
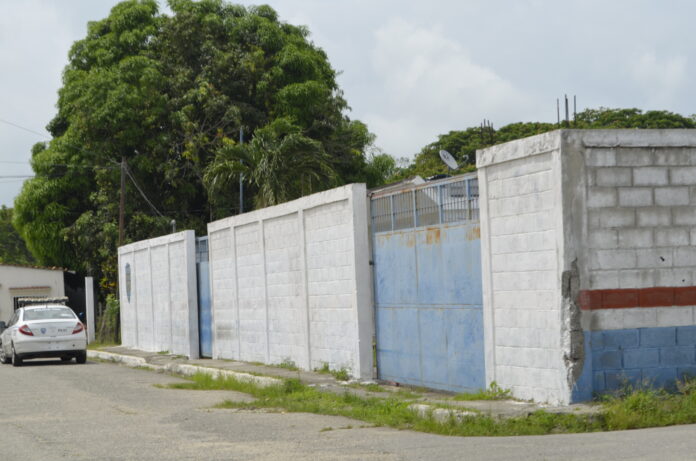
(448, 159)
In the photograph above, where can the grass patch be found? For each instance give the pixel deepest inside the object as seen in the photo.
(494, 392)
(94, 345)
(340, 375)
(372, 387)
(635, 409)
(288, 365)
(407, 395)
(631, 410)
(393, 412)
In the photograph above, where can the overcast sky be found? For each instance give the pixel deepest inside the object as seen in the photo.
(410, 70)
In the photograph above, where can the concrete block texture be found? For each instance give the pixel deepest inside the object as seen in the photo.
(612, 177)
(682, 175)
(291, 283)
(635, 196)
(598, 197)
(620, 216)
(650, 176)
(671, 196)
(158, 294)
(635, 156)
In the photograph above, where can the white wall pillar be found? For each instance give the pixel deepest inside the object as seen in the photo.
(89, 307)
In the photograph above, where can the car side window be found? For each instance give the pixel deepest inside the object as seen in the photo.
(14, 319)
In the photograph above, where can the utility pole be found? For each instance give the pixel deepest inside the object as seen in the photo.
(122, 205)
(241, 176)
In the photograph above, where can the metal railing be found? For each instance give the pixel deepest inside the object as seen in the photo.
(446, 201)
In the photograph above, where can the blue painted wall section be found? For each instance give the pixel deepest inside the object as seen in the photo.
(429, 307)
(655, 357)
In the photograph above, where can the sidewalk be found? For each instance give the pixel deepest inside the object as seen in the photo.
(265, 375)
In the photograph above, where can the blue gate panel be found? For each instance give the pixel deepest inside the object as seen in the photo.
(449, 265)
(465, 364)
(428, 290)
(433, 347)
(395, 256)
(398, 350)
(205, 316)
(205, 306)
(429, 313)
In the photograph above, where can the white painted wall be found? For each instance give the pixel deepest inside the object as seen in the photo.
(89, 307)
(24, 281)
(617, 206)
(521, 246)
(161, 313)
(292, 282)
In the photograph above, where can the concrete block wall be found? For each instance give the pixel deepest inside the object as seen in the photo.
(624, 207)
(158, 294)
(520, 231)
(291, 282)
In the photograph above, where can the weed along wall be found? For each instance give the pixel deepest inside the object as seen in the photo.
(292, 283)
(157, 289)
(588, 242)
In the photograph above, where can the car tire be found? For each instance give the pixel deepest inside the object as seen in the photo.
(4, 358)
(16, 360)
(81, 357)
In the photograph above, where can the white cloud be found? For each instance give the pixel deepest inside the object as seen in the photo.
(430, 85)
(661, 79)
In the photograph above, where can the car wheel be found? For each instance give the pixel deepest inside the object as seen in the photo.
(81, 357)
(16, 360)
(4, 358)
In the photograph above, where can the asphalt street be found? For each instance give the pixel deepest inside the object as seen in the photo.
(98, 411)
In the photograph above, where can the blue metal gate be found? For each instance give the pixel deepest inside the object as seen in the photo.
(428, 293)
(205, 316)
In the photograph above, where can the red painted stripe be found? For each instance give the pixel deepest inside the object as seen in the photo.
(638, 297)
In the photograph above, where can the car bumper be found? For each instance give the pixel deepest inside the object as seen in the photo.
(53, 347)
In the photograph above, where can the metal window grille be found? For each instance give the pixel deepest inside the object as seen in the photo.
(445, 202)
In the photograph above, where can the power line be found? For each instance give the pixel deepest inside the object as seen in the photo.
(128, 173)
(29, 130)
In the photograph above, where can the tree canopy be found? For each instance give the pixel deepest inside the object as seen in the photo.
(463, 144)
(12, 247)
(170, 95)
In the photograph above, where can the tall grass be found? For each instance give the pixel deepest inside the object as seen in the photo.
(635, 409)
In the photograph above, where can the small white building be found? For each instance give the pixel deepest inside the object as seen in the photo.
(22, 281)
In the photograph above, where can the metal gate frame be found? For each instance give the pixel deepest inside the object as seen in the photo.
(446, 209)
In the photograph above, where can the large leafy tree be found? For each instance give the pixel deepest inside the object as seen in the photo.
(463, 144)
(169, 95)
(12, 247)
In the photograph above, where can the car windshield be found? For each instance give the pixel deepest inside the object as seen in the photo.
(49, 313)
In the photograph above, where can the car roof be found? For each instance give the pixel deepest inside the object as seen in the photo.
(44, 306)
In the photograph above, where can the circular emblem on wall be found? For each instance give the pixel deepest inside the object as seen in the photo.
(128, 281)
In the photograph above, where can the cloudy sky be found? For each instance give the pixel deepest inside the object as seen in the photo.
(410, 70)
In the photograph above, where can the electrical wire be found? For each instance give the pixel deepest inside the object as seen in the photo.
(128, 173)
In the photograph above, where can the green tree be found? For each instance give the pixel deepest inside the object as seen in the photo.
(170, 94)
(463, 144)
(12, 247)
(280, 162)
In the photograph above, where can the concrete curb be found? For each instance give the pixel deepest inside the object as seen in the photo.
(183, 369)
(440, 415)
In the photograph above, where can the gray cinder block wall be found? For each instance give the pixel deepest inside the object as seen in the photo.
(588, 255)
(292, 283)
(158, 294)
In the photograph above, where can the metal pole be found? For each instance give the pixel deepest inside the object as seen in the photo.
(241, 176)
(122, 204)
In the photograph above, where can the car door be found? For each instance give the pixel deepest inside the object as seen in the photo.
(6, 336)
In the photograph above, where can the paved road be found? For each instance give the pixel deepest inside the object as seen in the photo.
(53, 411)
